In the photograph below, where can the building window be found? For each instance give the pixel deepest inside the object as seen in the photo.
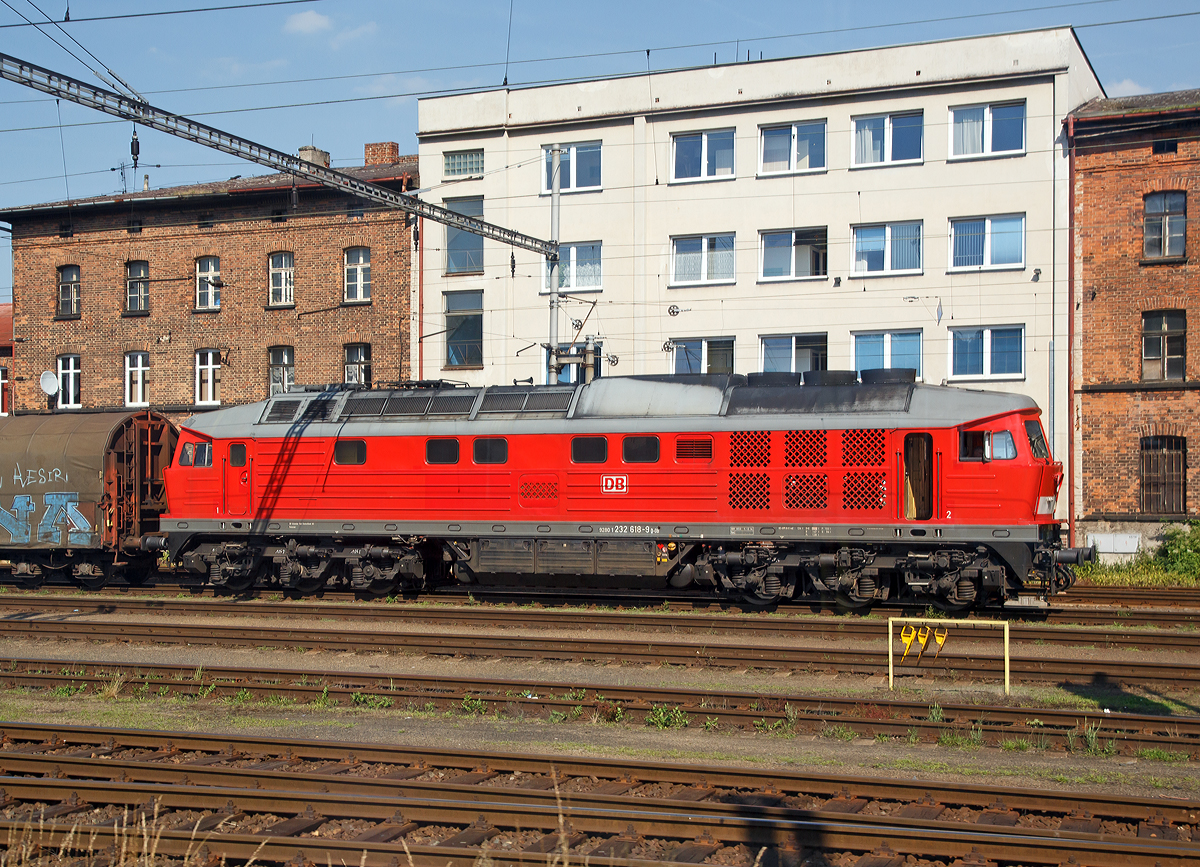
(988, 242)
(888, 138)
(578, 267)
(137, 379)
(699, 355)
(1166, 217)
(358, 274)
(208, 283)
(886, 249)
(283, 369)
(1165, 146)
(208, 376)
(795, 353)
(703, 259)
(68, 382)
(464, 329)
(68, 291)
(703, 155)
(571, 373)
(464, 251)
(358, 363)
(458, 164)
(795, 254)
(1164, 344)
(888, 349)
(578, 167)
(993, 353)
(137, 287)
(1164, 475)
(796, 148)
(979, 130)
(282, 278)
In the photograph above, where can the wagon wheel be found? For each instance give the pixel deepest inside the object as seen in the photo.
(91, 575)
(239, 584)
(845, 602)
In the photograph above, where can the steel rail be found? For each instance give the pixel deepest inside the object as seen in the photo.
(1127, 733)
(728, 823)
(949, 663)
(128, 108)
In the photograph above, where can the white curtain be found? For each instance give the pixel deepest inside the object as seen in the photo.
(968, 131)
(868, 140)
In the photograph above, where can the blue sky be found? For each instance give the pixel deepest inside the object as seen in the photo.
(338, 73)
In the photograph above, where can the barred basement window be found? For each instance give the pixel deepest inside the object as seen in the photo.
(1164, 475)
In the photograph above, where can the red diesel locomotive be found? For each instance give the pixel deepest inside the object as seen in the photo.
(756, 487)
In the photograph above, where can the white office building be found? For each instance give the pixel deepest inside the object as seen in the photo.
(893, 207)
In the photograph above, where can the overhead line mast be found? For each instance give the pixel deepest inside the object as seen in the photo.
(127, 108)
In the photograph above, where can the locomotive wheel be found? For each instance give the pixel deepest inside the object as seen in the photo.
(846, 602)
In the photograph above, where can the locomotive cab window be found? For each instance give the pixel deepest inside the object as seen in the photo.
(185, 454)
(1003, 446)
(491, 450)
(589, 450)
(443, 451)
(350, 452)
(237, 454)
(199, 455)
(971, 446)
(639, 450)
(1037, 442)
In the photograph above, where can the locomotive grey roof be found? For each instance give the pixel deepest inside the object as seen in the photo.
(628, 403)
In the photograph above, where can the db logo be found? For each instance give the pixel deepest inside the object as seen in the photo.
(614, 484)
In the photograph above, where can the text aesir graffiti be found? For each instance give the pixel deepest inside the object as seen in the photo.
(23, 478)
(60, 517)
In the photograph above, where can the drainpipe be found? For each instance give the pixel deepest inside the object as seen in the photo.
(420, 297)
(1071, 331)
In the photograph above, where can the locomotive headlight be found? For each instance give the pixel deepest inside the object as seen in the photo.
(1047, 505)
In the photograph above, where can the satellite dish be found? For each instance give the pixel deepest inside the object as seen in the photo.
(49, 382)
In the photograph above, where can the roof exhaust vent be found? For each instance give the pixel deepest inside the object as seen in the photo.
(889, 376)
(831, 377)
(757, 380)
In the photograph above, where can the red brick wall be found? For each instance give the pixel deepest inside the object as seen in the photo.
(1114, 286)
(243, 236)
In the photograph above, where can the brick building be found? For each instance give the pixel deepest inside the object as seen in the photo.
(185, 298)
(1136, 289)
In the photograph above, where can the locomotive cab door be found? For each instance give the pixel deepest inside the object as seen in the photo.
(918, 477)
(237, 480)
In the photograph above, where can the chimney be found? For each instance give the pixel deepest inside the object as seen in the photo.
(314, 155)
(381, 153)
(145, 183)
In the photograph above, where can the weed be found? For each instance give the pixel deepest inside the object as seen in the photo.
(663, 717)
(1091, 739)
(711, 724)
(280, 700)
(66, 691)
(164, 690)
(913, 737)
(837, 732)
(881, 738)
(935, 713)
(242, 696)
(430, 707)
(1072, 737)
(765, 727)
(1155, 754)
(371, 702)
(1015, 745)
(577, 711)
(112, 688)
(557, 716)
(960, 741)
(575, 695)
(323, 701)
(609, 711)
(473, 706)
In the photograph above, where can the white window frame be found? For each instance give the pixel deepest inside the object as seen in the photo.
(887, 139)
(704, 341)
(287, 368)
(791, 338)
(70, 300)
(211, 280)
(70, 375)
(791, 169)
(887, 347)
(568, 255)
(704, 278)
(987, 244)
(357, 371)
(209, 361)
(887, 270)
(987, 354)
(568, 183)
(465, 157)
(137, 379)
(987, 152)
(762, 255)
(702, 177)
(137, 286)
(361, 281)
(287, 279)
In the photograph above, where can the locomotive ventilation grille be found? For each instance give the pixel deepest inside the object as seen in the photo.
(452, 404)
(806, 492)
(693, 450)
(749, 491)
(282, 411)
(804, 448)
(511, 401)
(318, 410)
(408, 405)
(363, 406)
(750, 449)
(538, 490)
(863, 448)
(864, 491)
(547, 401)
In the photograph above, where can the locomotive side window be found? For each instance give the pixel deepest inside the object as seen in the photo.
(971, 445)
(441, 451)
(185, 455)
(491, 450)
(237, 454)
(1037, 442)
(589, 450)
(204, 454)
(640, 450)
(350, 452)
(1003, 447)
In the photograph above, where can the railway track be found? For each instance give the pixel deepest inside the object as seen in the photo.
(779, 655)
(361, 803)
(908, 721)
